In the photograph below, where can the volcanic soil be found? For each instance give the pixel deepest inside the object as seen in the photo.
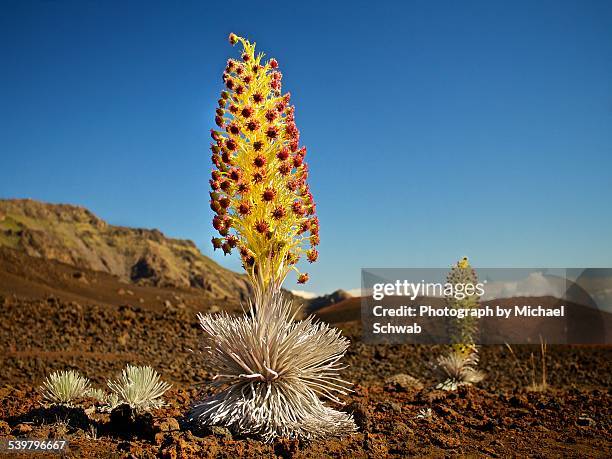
(58, 317)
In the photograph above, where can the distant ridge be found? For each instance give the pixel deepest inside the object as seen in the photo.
(75, 236)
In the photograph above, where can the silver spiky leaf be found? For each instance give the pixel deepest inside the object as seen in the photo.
(459, 369)
(270, 372)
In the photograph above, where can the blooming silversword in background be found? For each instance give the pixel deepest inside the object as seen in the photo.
(458, 366)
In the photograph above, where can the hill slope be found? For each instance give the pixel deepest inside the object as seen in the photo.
(75, 236)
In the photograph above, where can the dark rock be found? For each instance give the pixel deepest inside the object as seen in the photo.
(360, 413)
(286, 448)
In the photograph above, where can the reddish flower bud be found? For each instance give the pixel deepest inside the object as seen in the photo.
(214, 184)
(217, 222)
(226, 248)
(232, 241)
(297, 208)
(257, 145)
(246, 57)
(226, 157)
(297, 161)
(283, 154)
(292, 185)
(233, 129)
(240, 90)
(253, 125)
(233, 109)
(231, 144)
(257, 97)
(291, 131)
(278, 213)
(225, 185)
(304, 226)
(312, 255)
(243, 188)
(244, 208)
(216, 242)
(284, 168)
(224, 202)
(247, 79)
(229, 83)
(271, 115)
(224, 95)
(246, 112)
(262, 226)
(259, 161)
(303, 278)
(233, 39)
(314, 240)
(272, 132)
(257, 177)
(235, 174)
(273, 63)
(269, 194)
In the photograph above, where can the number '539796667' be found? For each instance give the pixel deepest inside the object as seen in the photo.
(33, 445)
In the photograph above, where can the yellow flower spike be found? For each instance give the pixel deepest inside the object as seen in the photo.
(259, 192)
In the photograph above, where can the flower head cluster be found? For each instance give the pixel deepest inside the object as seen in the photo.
(263, 206)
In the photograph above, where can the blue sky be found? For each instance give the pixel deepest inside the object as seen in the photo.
(434, 129)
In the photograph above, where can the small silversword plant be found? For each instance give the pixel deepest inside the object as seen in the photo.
(64, 387)
(138, 387)
(458, 366)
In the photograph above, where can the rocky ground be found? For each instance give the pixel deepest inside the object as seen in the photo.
(54, 317)
(397, 416)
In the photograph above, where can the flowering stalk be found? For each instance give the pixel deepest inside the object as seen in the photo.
(263, 205)
(458, 366)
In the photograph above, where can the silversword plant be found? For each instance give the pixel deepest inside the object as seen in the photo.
(138, 387)
(64, 387)
(458, 366)
(270, 369)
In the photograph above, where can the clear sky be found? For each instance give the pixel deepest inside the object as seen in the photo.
(434, 129)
